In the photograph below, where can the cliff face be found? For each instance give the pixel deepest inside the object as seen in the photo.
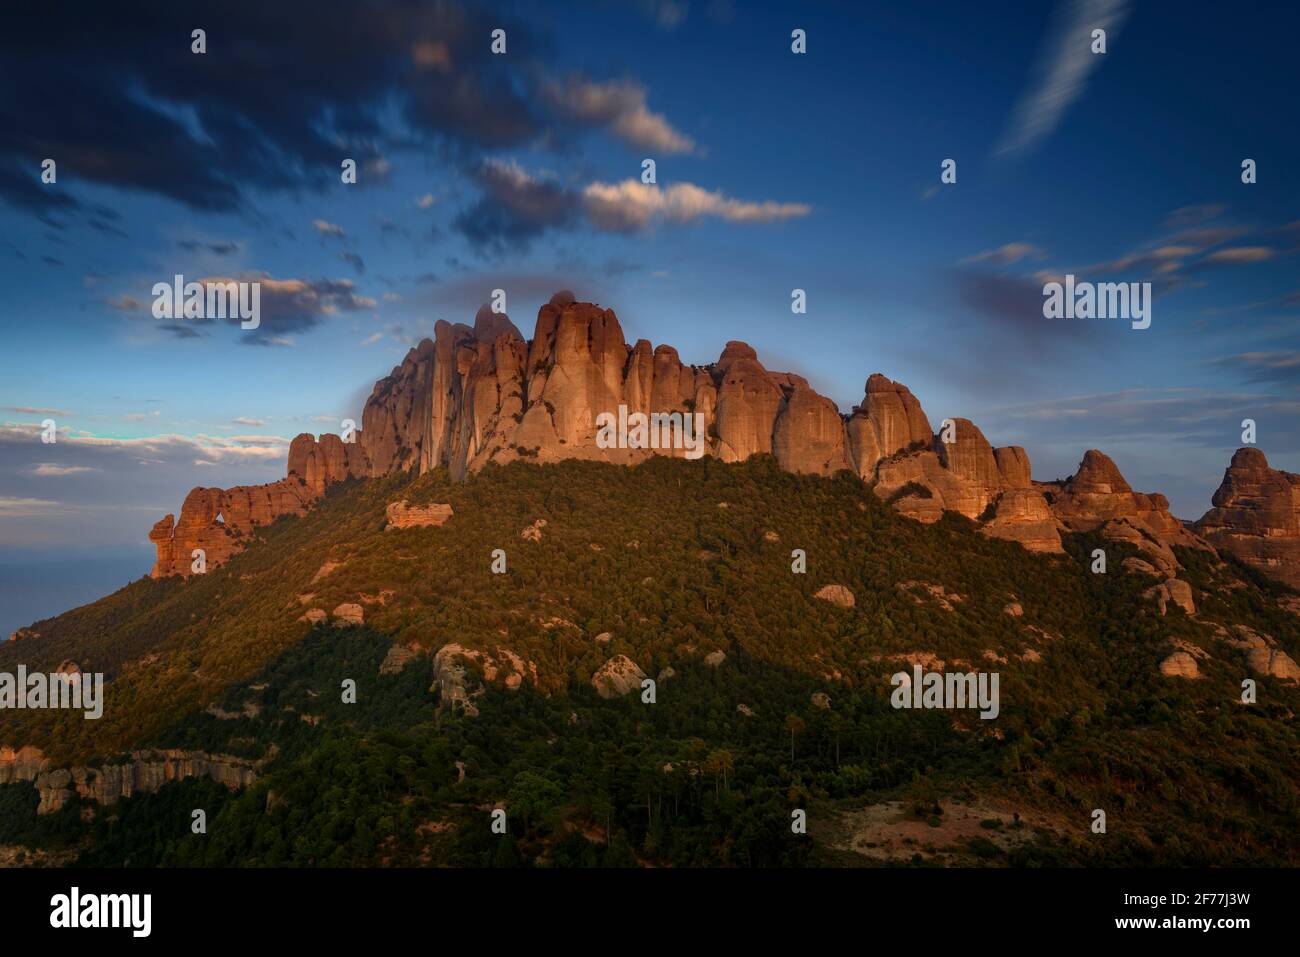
(480, 394)
(1256, 516)
(218, 520)
(144, 772)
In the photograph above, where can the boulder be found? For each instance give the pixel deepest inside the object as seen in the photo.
(837, 595)
(618, 676)
(1273, 663)
(402, 515)
(348, 614)
(1172, 591)
(1180, 665)
(398, 657)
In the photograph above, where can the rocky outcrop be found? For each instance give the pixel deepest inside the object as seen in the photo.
(1023, 515)
(1097, 494)
(402, 515)
(21, 764)
(1180, 665)
(1256, 516)
(347, 614)
(618, 676)
(1273, 663)
(219, 521)
(483, 394)
(836, 595)
(457, 687)
(144, 773)
(888, 421)
(1172, 592)
(398, 657)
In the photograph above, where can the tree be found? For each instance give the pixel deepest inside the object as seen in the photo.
(796, 726)
(533, 796)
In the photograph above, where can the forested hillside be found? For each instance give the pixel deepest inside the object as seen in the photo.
(668, 563)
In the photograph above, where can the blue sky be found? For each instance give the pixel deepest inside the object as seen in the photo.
(775, 171)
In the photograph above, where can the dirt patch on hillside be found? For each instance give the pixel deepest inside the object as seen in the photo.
(963, 835)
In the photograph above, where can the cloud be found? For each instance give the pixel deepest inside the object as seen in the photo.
(425, 201)
(668, 14)
(327, 228)
(286, 306)
(141, 112)
(1274, 368)
(1186, 216)
(1016, 305)
(631, 205)
(34, 410)
(50, 470)
(1238, 255)
(13, 507)
(620, 106)
(355, 261)
(1061, 75)
(217, 249)
(1006, 254)
(245, 420)
(516, 206)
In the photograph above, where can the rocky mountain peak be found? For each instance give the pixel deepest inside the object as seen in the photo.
(480, 394)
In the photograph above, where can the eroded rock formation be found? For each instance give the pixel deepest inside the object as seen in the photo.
(480, 394)
(143, 772)
(402, 515)
(218, 521)
(1256, 516)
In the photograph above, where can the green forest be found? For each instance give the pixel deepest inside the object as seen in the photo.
(669, 561)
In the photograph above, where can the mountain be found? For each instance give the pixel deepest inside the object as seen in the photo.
(482, 394)
(496, 587)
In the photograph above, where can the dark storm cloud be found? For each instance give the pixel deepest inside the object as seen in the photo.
(515, 208)
(283, 93)
(1016, 305)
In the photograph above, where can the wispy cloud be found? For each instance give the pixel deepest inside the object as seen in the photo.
(1005, 255)
(1061, 75)
(619, 106)
(631, 205)
(50, 470)
(35, 410)
(13, 507)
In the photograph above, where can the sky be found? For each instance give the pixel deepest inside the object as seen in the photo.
(521, 171)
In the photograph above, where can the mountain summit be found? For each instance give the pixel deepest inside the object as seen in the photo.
(483, 394)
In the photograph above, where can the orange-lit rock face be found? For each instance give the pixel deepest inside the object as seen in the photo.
(480, 394)
(1256, 516)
